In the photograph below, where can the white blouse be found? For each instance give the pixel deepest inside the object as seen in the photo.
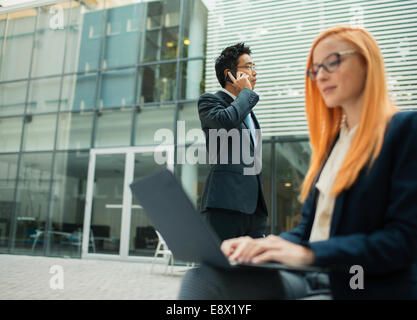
(325, 204)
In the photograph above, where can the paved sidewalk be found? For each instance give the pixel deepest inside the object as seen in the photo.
(28, 277)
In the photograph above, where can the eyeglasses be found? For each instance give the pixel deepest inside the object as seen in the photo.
(330, 64)
(249, 67)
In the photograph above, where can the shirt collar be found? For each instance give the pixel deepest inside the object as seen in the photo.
(345, 132)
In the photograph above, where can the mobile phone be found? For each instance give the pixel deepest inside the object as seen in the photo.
(234, 73)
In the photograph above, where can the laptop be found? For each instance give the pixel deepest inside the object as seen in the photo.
(187, 235)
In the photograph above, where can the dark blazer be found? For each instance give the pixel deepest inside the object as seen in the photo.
(226, 186)
(374, 222)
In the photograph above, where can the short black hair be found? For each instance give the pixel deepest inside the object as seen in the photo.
(229, 59)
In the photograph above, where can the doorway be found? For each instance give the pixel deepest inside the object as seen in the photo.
(115, 225)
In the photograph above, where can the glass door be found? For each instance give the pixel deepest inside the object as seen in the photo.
(115, 225)
(143, 239)
(107, 204)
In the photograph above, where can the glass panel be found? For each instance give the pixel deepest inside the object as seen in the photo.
(91, 37)
(149, 120)
(68, 93)
(188, 113)
(162, 28)
(107, 203)
(74, 130)
(143, 239)
(292, 159)
(157, 82)
(123, 31)
(10, 133)
(12, 97)
(266, 180)
(74, 32)
(68, 202)
(48, 53)
(44, 95)
(192, 79)
(3, 18)
(113, 128)
(39, 132)
(153, 37)
(18, 45)
(195, 26)
(32, 202)
(85, 91)
(8, 171)
(193, 178)
(117, 89)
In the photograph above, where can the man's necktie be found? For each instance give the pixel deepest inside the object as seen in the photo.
(251, 128)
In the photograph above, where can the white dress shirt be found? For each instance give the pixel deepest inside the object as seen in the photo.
(325, 204)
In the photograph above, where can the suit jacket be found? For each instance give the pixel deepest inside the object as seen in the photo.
(226, 186)
(374, 222)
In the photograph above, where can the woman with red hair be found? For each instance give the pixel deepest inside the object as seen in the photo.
(359, 194)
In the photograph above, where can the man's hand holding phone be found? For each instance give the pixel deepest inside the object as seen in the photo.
(239, 81)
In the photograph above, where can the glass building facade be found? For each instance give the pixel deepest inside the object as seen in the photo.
(84, 86)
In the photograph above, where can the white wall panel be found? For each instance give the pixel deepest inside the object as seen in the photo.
(280, 34)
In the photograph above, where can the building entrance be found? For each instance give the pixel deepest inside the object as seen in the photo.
(115, 225)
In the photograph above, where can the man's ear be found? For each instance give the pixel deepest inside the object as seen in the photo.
(225, 72)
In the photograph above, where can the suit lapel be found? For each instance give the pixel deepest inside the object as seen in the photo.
(337, 212)
(228, 100)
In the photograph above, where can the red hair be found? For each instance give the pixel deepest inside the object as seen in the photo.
(324, 123)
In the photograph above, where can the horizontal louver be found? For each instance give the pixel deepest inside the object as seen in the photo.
(280, 34)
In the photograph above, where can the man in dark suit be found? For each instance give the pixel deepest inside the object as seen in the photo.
(233, 201)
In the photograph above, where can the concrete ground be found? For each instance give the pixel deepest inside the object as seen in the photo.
(45, 278)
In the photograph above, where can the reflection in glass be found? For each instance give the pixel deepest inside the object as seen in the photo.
(149, 120)
(122, 35)
(8, 171)
(188, 112)
(192, 79)
(158, 83)
(84, 94)
(12, 98)
(91, 36)
(19, 43)
(3, 18)
(107, 203)
(74, 31)
(117, 88)
(39, 132)
(143, 239)
(195, 24)
(74, 130)
(44, 95)
(266, 180)
(67, 204)
(113, 128)
(68, 92)
(193, 178)
(292, 159)
(32, 203)
(10, 133)
(48, 53)
(162, 28)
